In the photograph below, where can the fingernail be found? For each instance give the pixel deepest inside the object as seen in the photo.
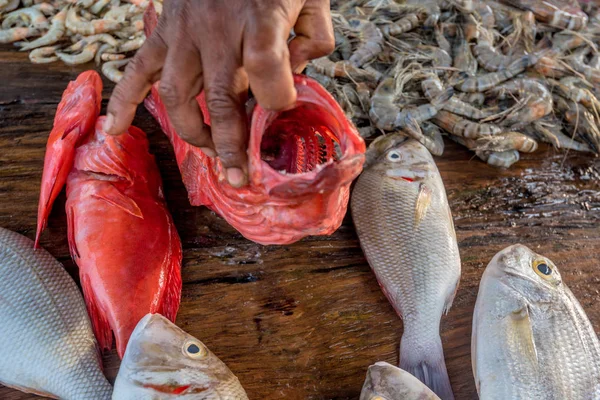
(108, 122)
(236, 177)
(208, 151)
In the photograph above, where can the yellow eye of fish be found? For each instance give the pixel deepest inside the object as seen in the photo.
(194, 349)
(542, 269)
(394, 156)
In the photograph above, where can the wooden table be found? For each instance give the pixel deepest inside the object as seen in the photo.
(305, 321)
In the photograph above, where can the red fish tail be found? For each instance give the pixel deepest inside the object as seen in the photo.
(74, 120)
(100, 323)
(172, 294)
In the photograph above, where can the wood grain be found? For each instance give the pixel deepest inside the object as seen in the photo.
(305, 321)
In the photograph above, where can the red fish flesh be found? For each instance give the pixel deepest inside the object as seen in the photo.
(302, 163)
(120, 232)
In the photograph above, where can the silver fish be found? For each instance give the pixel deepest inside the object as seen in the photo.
(405, 229)
(47, 346)
(531, 338)
(163, 362)
(386, 382)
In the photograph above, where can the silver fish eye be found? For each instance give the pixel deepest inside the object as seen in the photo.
(194, 349)
(394, 156)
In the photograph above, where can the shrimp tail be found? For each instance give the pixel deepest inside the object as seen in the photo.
(443, 97)
(74, 120)
(428, 366)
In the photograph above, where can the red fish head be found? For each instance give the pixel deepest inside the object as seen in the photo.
(309, 149)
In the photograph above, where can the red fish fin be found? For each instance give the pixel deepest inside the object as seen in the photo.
(71, 234)
(101, 159)
(118, 199)
(58, 162)
(150, 19)
(100, 324)
(172, 295)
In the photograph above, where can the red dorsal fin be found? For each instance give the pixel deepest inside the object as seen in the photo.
(172, 294)
(112, 195)
(71, 234)
(99, 321)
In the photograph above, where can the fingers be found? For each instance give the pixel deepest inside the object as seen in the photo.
(225, 96)
(180, 83)
(266, 59)
(141, 72)
(314, 34)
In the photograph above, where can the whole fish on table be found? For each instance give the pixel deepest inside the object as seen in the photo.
(405, 228)
(47, 346)
(120, 232)
(301, 164)
(386, 382)
(163, 362)
(531, 338)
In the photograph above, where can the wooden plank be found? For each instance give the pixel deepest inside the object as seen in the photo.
(304, 321)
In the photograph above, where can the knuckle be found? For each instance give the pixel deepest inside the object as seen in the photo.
(324, 46)
(138, 65)
(221, 103)
(262, 58)
(170, 93)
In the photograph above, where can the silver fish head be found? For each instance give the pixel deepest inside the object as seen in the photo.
(527, 273)
(395, 157)
(386, 382)
(163, 359)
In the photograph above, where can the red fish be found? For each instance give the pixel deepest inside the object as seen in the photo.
(302, 163)
(121, 234)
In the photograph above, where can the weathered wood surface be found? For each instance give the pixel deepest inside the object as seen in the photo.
(305, 321)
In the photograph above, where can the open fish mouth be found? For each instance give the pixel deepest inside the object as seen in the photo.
(299, 140)
(172, 389)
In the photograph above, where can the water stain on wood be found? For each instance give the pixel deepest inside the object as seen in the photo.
(305, 321)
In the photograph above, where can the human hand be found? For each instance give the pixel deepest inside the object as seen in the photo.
(222, 47)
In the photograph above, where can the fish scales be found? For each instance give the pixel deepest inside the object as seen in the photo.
(46, 337)
(414, 256)
(537, 341)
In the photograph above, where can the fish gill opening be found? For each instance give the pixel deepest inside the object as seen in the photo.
(300, 139)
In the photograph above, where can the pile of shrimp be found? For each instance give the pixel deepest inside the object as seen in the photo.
(496, 77)
(76, 31)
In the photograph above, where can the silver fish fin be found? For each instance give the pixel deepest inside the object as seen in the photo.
(523, 334)
(422, 204)
(450, 298)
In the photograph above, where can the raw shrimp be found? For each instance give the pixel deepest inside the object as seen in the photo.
(552, 134)
(343, 69)
(581, 120)
(132, 45)
(440, 60)
(547, 12)
(463, 58)
(43, 55)
(538, 100)
(441, 40)
(567, 88)
(551, 67)
(54, 34)
(485, 82)
(98, 6)
(325, 81)
(386, 115)
(501, 159)
(86, 40)
(432, 87)
(485, 13)
(9, 5)
(371, 46)
(86, 55)
(403, 25)
(112, 70)
(16, 34)
(488, 56)
(34, 17)
(507, 141)
(77, 25)
(105, 48)
(577, 62)
(343, 45)
(463, 127)
(432, 138)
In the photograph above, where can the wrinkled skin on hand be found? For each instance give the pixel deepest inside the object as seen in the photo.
(222, 48)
